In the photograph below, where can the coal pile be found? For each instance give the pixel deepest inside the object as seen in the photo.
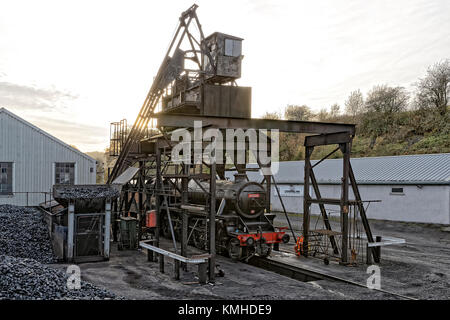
(27, 279)
(85, 192)
(24, 234)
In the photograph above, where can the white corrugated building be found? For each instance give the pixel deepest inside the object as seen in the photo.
(31, 161)
(412, 188)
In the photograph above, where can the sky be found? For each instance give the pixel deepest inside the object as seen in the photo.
(72, 67)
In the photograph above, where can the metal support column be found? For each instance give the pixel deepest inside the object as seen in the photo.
(140, 188)
(306, 200)
(185, 220)
(212, 219)
(70, 230)
(115, 216)
(345, 148)
(107, 231)
(323, 211)
(362, 212)
(158, 205)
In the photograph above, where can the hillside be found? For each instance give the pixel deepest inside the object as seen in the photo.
(411, 132)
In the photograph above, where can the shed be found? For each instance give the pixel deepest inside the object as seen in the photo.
(412, 188)
(32, 161)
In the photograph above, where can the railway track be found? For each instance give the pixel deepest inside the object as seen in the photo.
(303, 274)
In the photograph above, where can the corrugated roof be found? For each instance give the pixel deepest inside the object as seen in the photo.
(13, 115)
(409, 169)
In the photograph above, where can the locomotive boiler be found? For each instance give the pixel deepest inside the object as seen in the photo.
(243, 227)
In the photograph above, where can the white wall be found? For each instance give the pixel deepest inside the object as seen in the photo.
(34, 153)
(429, 204)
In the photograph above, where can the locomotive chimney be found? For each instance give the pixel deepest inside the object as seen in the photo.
(239, 177)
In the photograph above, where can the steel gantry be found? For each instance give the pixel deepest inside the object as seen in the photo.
(154, 182)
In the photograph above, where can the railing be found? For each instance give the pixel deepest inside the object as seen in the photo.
(46, 196)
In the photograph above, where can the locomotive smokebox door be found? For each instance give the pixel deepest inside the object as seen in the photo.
(251, 200)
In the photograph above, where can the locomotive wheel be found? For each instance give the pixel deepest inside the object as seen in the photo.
(199, 239)
(234, 249)
(267, 252)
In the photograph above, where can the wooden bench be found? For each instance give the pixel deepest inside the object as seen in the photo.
(200, 260)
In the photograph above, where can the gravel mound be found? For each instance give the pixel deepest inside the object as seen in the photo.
(24, 234)
(27, 279)
(86, 192)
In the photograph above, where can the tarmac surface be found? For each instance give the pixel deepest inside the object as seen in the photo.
(419, 269)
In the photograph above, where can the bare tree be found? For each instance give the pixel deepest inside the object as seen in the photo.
(293, 112)
(386, 100)
(382, 108)
(335, 110)
(322, 115)
(354, 104)
(271, 115)
(434, 89)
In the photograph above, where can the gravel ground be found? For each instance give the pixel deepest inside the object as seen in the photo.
(420, 268)
(129, 274)
(25, 252)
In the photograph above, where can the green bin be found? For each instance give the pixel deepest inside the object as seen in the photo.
(127, 233)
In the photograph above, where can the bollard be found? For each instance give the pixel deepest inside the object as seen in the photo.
(161, 263)
(177, 269)
(368, 254)
(202, 268)
(378, 249)
(149, 255)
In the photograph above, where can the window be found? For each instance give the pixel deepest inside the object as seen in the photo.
(6, 177)
(64, 173)
(397, 191)
(233, 48)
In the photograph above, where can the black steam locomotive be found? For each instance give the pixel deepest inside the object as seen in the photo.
(243, 228)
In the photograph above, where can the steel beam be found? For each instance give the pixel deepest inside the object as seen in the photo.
(329, 138)
(187, 121)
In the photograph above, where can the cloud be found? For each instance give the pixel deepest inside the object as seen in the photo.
(25, 97)
(83, 136)
(46, 108)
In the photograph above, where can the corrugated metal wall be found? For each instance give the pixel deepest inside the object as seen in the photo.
(33, 154)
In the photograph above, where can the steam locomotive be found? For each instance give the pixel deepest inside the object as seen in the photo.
(243, 228)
